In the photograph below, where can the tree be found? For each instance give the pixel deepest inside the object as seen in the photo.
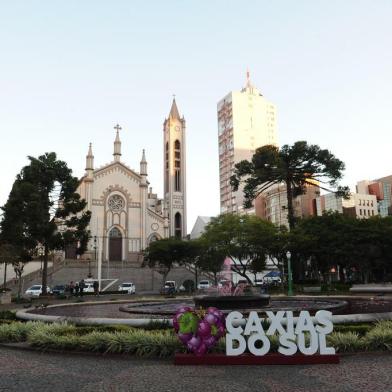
(296, 166)
(244, 239)
(166, 253)
(209, 258)
(7, 256)
(44, 208)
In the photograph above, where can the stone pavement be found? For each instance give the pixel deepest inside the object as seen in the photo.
(33, 371)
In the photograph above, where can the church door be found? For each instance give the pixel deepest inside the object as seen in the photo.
(115, 245)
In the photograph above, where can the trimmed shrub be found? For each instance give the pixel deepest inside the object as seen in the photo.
(7, 315)
(360, 329)
(345, 342)
(380, 337)
(15, 332)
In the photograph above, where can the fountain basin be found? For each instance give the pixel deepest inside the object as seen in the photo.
(230, 302)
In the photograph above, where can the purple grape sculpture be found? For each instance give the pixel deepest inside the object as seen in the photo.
(199, 330)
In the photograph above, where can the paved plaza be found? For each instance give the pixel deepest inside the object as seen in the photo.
(33, 371)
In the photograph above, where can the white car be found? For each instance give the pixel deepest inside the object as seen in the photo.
(88, 287)
(204, 284)
(129, 287)
(36, 290)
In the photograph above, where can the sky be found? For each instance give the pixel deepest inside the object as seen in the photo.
(70, 70)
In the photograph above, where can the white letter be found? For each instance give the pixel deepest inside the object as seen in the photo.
(229, 323)
(230, 350)
(324, 350)
(288, 346)
(253, 324)
(275, 322)
(304, 323)
(324, 317)
(258, 351)
(290, 322)
(313, 346)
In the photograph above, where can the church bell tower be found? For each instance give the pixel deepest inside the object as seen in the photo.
(174, 161)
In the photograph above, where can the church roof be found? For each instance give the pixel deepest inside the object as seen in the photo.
(121, 165)
(174, 111)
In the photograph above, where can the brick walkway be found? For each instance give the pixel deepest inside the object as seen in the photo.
(32, 371)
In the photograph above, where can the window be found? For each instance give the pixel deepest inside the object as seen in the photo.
(115, 233)
(167, 168)
(177, 166)
(177, 225)
(116, 203)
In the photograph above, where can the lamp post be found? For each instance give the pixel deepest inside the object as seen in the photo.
(41, 252)
(289, 274)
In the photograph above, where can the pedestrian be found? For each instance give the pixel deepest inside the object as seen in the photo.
(81, 287)
(96, 287)
(71, 287)
(76, 289)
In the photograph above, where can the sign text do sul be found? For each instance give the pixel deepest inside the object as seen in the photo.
(302, 334)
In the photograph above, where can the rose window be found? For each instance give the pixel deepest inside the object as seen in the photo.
(116, 203)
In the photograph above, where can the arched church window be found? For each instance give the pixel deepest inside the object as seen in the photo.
(115, 233)
(177, 225)
(167, 167)
(177, 166)
(116, 203)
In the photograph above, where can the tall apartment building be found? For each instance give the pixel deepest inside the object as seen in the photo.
(246, 121)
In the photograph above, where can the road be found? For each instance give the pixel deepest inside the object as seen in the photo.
(33, 371)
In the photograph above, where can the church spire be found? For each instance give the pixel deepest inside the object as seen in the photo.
(248, 82)
(143, 165)
(90, 158)
(117, 144)
(174, 114)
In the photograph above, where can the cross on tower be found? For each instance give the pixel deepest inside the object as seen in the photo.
(117, 128)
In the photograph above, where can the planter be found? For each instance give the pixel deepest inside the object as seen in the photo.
(5, 298)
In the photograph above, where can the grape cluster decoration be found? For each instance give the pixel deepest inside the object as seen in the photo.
(199, 330)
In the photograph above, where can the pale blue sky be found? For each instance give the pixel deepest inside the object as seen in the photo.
(70, 70)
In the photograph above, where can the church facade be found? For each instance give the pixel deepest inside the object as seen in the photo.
(125, 214)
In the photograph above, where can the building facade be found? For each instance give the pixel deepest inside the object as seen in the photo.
(359, 205)
(246, 121)
(272, 204)
(382, 190)
(125, 213)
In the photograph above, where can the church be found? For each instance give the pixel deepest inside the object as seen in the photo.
(125, 214)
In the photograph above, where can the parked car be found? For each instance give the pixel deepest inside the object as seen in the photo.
(59, 289)
(204, 284)
(128, 287)
(273, 277)
(36, 290)
(169, 288)
(88, 287)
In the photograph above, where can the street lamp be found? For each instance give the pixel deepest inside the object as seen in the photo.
(290, 275)
(41, 252)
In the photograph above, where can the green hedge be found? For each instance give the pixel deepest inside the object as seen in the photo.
(163, 342)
